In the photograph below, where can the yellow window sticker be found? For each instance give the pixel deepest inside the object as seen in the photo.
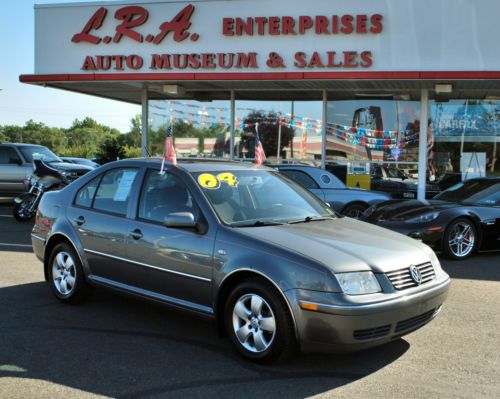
(229, 178)
(208, 180)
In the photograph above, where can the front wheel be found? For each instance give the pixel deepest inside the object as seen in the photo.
(460, 239)
(354, 210)
(259, 322)
(25, 210)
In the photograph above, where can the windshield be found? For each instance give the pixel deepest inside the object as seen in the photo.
(259, 197)
(472, 192)
(31, 153)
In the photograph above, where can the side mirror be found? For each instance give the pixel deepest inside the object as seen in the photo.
(16, 161)
(180, 219)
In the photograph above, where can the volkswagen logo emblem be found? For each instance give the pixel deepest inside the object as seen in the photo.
(415, 274)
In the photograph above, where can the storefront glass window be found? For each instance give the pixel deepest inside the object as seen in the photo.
(201, 129)
(464, 139)
(373, 144)
(373, 130)
(287, 129)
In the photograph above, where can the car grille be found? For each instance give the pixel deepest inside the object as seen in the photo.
(414, 322)
(401, 279)
(372, 333)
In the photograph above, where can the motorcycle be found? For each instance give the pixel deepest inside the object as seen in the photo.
(43, 179)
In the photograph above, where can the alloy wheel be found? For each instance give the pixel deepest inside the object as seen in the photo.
(64, 273)
(254, 323)
(461, 239)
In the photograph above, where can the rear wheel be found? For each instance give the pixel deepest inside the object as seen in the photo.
(259, 322)
(66, 278)
(21, 211)
(460, 239)
(354, 210)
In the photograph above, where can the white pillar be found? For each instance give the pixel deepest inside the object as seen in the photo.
(233, 123)
(144, 123)
(422, 144)
(323, 130)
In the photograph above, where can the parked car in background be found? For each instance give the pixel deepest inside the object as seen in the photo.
(81, 161)
(273, 265)
(459, 221)
(397, 182)
(16, 167)
(350, 202)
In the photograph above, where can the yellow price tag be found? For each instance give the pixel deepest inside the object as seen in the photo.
(208, 180)
(228, 178)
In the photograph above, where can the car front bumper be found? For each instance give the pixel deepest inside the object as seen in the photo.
(429, 233)
(346, 328)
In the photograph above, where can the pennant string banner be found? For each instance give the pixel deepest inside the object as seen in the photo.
(371, 138)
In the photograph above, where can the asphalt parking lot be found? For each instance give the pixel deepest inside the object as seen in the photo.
(116, 346)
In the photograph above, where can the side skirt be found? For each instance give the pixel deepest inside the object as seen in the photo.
(164, 299)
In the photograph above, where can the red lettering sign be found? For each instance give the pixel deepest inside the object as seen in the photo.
(132, 17)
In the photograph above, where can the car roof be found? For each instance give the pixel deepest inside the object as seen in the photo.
(197, 165)
(294, 166)
(22, 145)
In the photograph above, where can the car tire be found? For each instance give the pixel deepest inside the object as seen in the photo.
(18, 211)
(259, 323)
(460, 239)
(354, 210)
(66, 277)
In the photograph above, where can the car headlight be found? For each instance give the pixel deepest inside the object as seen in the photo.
(426, 217)
(358, 283)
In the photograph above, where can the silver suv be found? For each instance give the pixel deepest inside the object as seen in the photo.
(16, 166)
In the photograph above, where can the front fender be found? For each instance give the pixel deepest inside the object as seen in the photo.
(287, 270)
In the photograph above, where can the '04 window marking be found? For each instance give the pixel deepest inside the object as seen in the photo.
(213, 182)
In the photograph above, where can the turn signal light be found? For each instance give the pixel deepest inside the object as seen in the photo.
(309, 306)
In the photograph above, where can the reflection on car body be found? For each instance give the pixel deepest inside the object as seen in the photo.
(264, 257)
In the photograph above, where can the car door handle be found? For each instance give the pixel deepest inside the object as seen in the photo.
(136, 234)
(79, 220)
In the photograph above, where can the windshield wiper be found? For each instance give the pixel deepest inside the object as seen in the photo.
(259, 223)
(308, 219)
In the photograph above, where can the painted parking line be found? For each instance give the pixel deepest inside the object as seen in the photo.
(6, 216)
(6, 244)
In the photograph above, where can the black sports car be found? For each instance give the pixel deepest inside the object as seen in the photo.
(459, 221)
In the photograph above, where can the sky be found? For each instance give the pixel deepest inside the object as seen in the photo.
(22, 102)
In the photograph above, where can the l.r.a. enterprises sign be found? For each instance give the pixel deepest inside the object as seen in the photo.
(130, 24)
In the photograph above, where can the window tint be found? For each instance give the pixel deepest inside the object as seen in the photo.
(302, 178)
(163, 194)
(85, 195)
(8, 156)
(113, 193)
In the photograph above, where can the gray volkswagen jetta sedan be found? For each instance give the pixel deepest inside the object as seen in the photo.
(270, 262)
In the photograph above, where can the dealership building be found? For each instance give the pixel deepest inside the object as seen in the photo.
(403, 84)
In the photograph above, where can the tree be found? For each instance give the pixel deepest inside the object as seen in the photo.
(268, 134)
(110, 150)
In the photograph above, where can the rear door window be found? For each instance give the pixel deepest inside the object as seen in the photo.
(114, 191)
(86, 194)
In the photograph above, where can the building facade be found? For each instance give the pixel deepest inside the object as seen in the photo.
(399, 85)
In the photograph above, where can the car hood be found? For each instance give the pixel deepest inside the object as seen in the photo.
(405, 209)
(344, 244)
(70, 167)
